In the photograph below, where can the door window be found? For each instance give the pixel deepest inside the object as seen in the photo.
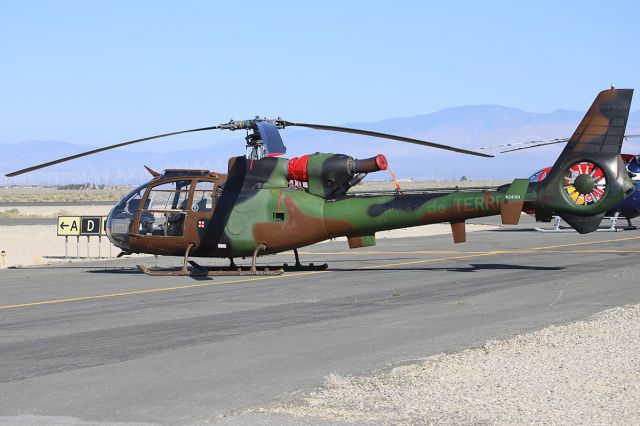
(165, 209)
(203, 196)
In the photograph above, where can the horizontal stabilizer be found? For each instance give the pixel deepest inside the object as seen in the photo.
(511, 205)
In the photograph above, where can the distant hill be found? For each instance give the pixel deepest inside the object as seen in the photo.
(468, 127)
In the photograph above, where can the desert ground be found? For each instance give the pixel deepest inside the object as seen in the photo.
(580, 373)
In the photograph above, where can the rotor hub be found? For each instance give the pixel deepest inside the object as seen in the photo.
(584, 184)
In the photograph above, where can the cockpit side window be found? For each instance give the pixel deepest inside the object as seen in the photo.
(169, 196)
(203, 196)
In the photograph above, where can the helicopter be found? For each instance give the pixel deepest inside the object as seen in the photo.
(267, 204)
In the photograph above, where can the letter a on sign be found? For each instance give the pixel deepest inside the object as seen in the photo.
(68, 225)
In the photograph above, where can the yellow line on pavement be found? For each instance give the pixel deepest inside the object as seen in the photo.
(590, 251)
(365, 252)
(496, 252)
(587, 243)
(488, 253)
(159, 290)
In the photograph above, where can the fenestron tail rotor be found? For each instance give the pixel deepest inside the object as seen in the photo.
(585, 183)
(263, 138)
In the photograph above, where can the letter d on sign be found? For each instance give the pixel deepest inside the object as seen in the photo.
(90, 225)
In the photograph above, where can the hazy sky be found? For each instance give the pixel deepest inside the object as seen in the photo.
(102, 72)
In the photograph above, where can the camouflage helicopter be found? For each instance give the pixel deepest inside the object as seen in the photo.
(267, 204)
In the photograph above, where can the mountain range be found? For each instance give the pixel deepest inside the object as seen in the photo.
(469, 127)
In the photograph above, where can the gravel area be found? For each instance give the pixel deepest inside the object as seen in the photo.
(586, 372)
(38, 245)
(52, 210)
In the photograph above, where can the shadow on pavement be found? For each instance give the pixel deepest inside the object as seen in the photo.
(473, 267)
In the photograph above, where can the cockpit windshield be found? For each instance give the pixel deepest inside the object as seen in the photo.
(121, 217)
(132, 200)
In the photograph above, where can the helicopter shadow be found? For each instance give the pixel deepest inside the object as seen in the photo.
(136, 271)
(513, 230)
(473, 267)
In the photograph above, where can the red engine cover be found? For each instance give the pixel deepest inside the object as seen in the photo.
(381, 162)
(297, 168)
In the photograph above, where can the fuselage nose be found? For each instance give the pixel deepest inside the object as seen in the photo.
(121, 218)
(118, 225)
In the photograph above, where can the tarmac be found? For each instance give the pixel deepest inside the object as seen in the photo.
(101, 342)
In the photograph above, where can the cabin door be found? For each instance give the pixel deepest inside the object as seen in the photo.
(161, 222)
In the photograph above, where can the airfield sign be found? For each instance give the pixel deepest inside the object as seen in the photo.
(90, 225)
(76, 226)
(82, 226)
(68, 225)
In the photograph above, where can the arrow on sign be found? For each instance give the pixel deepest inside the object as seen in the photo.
(68, 225)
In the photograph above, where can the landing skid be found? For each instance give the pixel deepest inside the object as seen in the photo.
(310, 267)
(202, 271)
(236, 270)
(300, 267)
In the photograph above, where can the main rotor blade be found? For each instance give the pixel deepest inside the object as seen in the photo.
(106, 148)
(541, 143)
(386, 136)
(535, 146)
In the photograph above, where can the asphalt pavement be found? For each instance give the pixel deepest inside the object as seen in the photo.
(101, 342)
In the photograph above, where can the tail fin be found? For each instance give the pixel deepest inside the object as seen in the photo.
(589, 177)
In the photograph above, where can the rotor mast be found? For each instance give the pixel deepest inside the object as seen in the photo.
(255, 145)
(255, 141)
